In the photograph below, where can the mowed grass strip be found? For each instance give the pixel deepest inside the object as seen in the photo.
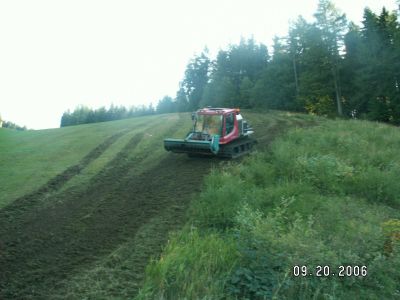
(29, 159)
(150, 131)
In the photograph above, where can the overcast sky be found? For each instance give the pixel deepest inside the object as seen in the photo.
(55, 55)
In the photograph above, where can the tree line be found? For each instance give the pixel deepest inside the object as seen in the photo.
(329, 67)
(85, 115)
(11, 125)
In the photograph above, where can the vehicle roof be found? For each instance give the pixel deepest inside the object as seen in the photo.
(216, 111)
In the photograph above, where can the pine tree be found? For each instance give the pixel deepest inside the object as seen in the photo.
(378, 77)
(275, 88)
(196, 78)
(332, 24)
(233, 74)
(182, 100)
(166, 105)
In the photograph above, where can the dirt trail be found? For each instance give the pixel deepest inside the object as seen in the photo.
(266, 131)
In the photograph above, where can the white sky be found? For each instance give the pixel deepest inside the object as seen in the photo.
(55, 55)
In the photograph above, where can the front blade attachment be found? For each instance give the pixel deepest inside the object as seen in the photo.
(193, 146)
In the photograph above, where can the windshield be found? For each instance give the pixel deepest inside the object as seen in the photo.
(210, 124)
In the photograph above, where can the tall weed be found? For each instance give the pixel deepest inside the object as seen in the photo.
(191, 267)
(319, 196)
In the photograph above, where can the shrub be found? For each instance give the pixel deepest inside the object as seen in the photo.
(192, 267)
(219, 202)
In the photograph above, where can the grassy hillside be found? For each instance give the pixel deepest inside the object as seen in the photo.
(66, 195)
(30, 158)
(82, 209)
(324, 198)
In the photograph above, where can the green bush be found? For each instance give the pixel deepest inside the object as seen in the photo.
(192, 267)
(271, 244)
(219, 202)
(376, 185)
(343, 158)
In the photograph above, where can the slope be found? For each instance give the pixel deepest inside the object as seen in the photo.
(83, 208)
(317, 216)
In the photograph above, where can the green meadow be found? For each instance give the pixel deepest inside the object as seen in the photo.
(102, 211)
(316, 216)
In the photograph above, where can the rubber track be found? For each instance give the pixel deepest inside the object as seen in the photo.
(228, 150)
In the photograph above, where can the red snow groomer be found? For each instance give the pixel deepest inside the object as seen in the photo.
(216, 131)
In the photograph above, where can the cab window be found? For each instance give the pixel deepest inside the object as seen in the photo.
(209, 124)
(230, 121)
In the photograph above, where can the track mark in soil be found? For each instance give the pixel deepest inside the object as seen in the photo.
(271, 133)
(25, 202)
(278, 129)
(50, 244)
